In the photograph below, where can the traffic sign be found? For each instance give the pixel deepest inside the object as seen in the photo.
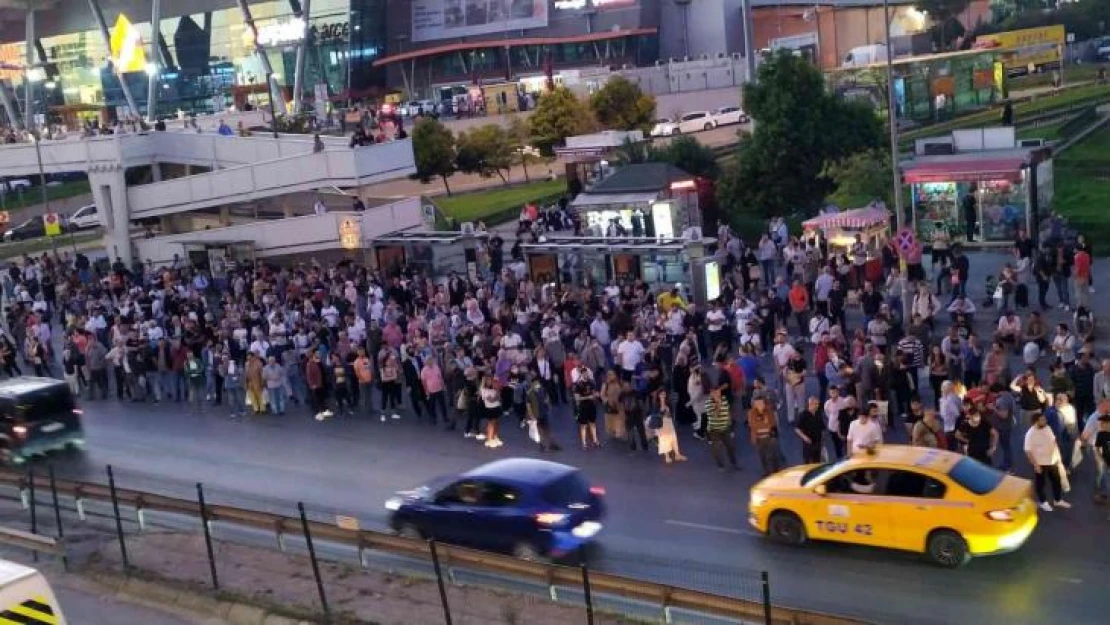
(52, 224)
(905, 241)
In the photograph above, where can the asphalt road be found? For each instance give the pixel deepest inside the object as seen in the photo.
(682, 524)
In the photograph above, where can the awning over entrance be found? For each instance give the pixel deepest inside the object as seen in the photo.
(587, 200)
(1008, 168)
(510, 43)
(611, 245)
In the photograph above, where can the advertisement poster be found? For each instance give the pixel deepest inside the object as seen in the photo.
(712, 280)
(443, 19)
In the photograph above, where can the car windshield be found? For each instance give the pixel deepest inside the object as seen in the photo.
(571, 488)
(819, 471)
(975, 476)
(662, 121)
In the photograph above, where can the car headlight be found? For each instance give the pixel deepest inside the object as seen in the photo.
(393, 503)
(757, 499)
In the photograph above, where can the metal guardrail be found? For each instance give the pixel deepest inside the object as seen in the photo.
(32, 542)
(666, 597)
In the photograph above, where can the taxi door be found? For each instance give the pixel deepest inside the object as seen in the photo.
(917, 505)
(852, 510)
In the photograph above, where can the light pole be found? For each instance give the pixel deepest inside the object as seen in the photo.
(896, 179)
(273, 111)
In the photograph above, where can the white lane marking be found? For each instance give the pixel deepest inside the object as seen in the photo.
(712, 528)
(1069, 580)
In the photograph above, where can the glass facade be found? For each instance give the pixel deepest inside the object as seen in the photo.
(1001, 207)
(210, 60)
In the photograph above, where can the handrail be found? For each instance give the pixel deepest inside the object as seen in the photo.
(34, 542)
(552, 575)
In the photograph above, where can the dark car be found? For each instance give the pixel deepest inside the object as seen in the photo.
(37, 415)
(32, 228)
(532, 509)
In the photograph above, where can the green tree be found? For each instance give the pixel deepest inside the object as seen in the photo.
(691, 156)
(800, 127)
(521, 137)
(622, 105)
(860, 178)
(558, 115)
(433, 147)
(487, 151)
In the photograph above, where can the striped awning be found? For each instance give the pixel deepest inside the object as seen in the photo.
(857, 219)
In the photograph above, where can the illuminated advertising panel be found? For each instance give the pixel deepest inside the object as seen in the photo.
(444, 19)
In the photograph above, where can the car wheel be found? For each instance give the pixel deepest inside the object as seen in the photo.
(527, 552)
(948, 549)
(676, 131)
(408, 530)
(707, 127)
(786, 528)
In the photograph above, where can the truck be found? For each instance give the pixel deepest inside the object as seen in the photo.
(1027, 51)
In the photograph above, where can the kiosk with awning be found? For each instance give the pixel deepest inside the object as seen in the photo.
(437, 253)
(647, 200)
(597, 261)
(840, 229)
(1008, 185)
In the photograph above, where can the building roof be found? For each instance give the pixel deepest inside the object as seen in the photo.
(971, 166)
(840, 4)
(509, 43)
(640, 178)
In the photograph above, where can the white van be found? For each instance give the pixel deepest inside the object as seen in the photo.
(26, 596)
(860, 56)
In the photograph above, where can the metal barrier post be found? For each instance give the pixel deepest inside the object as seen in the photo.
(119, 521)
(34, 507)
(207, 536)
(57, 514)
(439, 579)
(586, 594)
(766, 585)
(315, 563)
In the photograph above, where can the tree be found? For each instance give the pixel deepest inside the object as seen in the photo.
(433, 147)
(487, 151)
(860, 178)
(558, 115)
(520, 136)
(691, 156)
(943, 13)
(800, 127)
(622, 105)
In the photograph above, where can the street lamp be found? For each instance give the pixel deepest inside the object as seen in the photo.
(896, 179)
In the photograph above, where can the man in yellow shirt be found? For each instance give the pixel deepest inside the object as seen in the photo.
(670, 299)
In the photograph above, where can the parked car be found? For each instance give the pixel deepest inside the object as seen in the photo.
(533, 509)
(664, 127)
(730, 115)
(32, 228)
(15, 184)
(693, 122)
(84, 218)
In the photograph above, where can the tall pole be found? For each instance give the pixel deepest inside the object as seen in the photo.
(28, 107)
(302, 49)
(749, 40)
(896, 179)
(9, 106)
(157, 62)
(98, 15)
(263, 58)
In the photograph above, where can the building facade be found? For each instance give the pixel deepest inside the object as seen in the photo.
(204, 56)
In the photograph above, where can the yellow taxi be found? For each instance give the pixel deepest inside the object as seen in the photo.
(941, 504)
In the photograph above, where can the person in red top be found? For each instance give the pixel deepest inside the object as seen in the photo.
(799, 305)
(1082, 278)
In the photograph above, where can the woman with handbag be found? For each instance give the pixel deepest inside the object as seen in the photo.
(661, 423)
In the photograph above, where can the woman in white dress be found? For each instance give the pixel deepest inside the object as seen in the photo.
(696, 391)
(664, 429)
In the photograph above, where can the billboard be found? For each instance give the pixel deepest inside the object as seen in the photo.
(127, 47)
(444, 19)
(1027, 51)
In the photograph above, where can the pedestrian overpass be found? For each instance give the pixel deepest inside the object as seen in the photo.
(237, 169)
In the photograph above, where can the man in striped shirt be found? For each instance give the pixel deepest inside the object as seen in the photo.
(718, 428)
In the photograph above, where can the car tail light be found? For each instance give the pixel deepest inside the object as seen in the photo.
(597, 490)
(1005, 516)
(550, 518)
(78, 411)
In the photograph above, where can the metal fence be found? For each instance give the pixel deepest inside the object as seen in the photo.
(677, 592)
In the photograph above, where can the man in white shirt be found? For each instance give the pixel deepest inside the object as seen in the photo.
(865, 433)
(629, 354)
(833, 405)
(715, 322)
(1009, 328)
(1040, 447)
(1063, 345)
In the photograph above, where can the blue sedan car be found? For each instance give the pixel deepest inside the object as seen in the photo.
(533, 509)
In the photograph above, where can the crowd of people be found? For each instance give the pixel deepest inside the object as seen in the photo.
(804, 344)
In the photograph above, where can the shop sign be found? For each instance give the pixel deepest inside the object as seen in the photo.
(292, 31)
(574, 5)
(350, 233)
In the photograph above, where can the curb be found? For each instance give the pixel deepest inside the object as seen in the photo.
(138, 591)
